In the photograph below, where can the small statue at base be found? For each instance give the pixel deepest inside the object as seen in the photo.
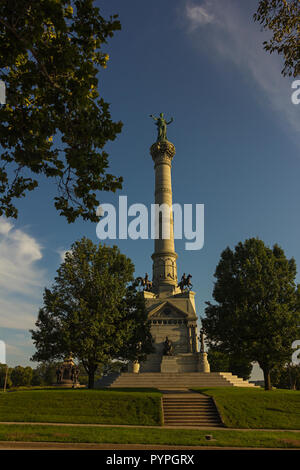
(59, 374)
(168, 348)
(74, 376)
(202, 346)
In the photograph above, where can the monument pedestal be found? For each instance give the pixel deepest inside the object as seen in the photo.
(172, 316)
(134, 367)
(203, 364)
(180, 363)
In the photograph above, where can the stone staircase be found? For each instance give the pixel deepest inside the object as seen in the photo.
(171, 380)
(190, 409)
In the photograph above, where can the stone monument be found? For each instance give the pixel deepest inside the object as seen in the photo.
(176, 361)
(170, 304)
(67, 374)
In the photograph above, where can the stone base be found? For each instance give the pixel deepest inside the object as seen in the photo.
(67, 384)
(203, 364)
(179, 364)
(134, 367)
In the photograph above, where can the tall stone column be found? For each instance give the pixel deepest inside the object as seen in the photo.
(164, 256)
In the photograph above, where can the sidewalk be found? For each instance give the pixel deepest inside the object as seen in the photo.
(17, 445)
(199, 428)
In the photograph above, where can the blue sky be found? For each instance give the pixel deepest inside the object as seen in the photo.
(236, 134)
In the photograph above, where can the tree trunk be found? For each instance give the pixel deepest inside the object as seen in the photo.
(293, 380)
(91, 379)
(267, 379)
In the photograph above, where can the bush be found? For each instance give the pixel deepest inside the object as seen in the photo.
(21, 376)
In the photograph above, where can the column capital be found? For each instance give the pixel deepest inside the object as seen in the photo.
(162, 148)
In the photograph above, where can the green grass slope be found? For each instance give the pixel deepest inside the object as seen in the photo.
(257, 408)
(132, 435)
(82, 406)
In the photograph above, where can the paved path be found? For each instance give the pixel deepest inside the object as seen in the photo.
(199, 428)
(14, 445)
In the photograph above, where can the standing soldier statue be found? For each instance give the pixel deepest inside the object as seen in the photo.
(202, 340)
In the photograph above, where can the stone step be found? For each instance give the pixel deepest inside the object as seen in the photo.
(183, 401)
(190, 410)
(194, 420)
(188, 415)
(205, 424)
(169, 380)
(186, 406)
(203, 406)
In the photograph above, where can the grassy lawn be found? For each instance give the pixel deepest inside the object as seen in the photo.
(256, 408)
(82, 406)
(44, 433)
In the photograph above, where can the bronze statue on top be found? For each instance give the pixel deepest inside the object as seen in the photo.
(161, 124)
(144, 281)
(185, 282)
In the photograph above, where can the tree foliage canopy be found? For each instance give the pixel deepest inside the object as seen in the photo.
(93, 310)
(50, 54)
(257, 310)
(282, 18)
(287, 376)
(221, 362)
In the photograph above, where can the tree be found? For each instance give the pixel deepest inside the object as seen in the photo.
(83, 377)
(44, 373)
(282, 18)
(257, 310)
(21, 376)
(92, 310)
(221, 362)
(286, 376)
(4, 373)
(50, 54)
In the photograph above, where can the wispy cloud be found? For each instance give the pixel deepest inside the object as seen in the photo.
(62, 254)
(21, 279)
(233, 34)
(199, 15)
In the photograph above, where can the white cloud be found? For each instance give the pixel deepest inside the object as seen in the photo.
(236, 38)
(5, 226)
(199, 15)
(17, 313)
(21, 280)
(62, 254)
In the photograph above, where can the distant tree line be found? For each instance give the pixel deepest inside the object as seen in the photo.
(286, 377)
(45, 374)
